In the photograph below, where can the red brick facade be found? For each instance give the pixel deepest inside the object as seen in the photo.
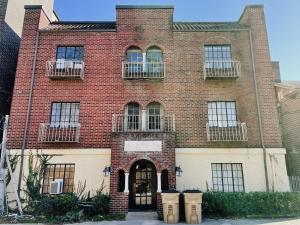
(184, 92)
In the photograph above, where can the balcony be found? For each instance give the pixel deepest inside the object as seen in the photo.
(222, 70)
(157, 123)
(229, 133)
(65, 69)
(143, 70)
(59, 133)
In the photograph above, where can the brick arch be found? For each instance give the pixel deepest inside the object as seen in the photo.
(123, 106)
(155, 162)
(131, 46)
(155, 45)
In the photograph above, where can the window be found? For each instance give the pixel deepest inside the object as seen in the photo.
(133, 116)
(222, 114)
(69, 53)
(227, 177)
(218, 56)
(134, 59)
(164, 180)
(121, 183)
(64, 114)
(154, 60)
(59, 171)
(154, 116)
(68, 57)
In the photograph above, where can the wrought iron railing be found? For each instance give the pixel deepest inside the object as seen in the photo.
(238, 132)
(141, 70)
(155, 123)
(49, 133)
(295, 183)
(222, 69)
(65, 69)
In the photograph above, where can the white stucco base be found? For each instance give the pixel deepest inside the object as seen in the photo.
(197, 172)
(195, 163)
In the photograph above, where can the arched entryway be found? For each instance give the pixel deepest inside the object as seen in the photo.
(142, 185)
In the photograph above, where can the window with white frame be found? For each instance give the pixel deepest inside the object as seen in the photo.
(64, 114)
(134, 59)
(218, 56)
(222, 114)
(154, 116)
(132, 120)
(228, 177)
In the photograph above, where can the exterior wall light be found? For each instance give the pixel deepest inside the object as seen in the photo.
(107, 171)
(178, 171)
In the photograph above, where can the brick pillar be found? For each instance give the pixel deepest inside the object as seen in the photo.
(159, 206)
(34, 19)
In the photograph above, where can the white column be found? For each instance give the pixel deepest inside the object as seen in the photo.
(158, 182)
(144, 120)
(126, 190)
(144, 62)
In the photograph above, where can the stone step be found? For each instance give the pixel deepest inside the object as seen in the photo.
(149, 215)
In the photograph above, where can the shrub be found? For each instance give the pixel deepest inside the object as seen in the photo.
(101, 203)
(253, 204)
(57, 205)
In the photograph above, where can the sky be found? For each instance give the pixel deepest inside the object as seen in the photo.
(282, 17)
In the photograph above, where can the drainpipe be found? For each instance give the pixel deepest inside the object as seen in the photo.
(24, 144)
(261, 131)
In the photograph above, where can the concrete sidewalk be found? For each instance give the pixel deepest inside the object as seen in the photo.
(205, 222)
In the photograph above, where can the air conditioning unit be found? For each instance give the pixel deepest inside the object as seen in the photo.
(56, 186)
(78, 65)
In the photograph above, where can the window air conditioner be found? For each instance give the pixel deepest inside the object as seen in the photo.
(56, 186)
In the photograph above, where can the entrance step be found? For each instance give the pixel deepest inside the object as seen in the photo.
(133, 216)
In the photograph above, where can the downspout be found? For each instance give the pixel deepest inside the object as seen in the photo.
(24, 144)
(261, 131)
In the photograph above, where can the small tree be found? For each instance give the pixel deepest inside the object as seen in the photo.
(35, 175)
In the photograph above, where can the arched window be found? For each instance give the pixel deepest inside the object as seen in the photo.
(132, 116)
(154, 58)
(154, 111)
(121, 180)
(134, 60)
(164, 180)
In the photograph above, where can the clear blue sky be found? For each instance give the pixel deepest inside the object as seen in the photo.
(283, 20)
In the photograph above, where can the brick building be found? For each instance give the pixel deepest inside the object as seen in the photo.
(288, 94)
(11, 22)
(147, 104)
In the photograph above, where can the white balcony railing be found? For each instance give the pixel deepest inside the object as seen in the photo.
(65, 69)
(230, 133)
(143, 70)
(49, 133)
(126, 123)
(222, 69)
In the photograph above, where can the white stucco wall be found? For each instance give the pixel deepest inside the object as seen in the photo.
(197, 173)
(89, 164)
(15, 12)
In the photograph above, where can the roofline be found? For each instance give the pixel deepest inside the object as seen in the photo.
(81, 22)
(55, 13)
(144, 7)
